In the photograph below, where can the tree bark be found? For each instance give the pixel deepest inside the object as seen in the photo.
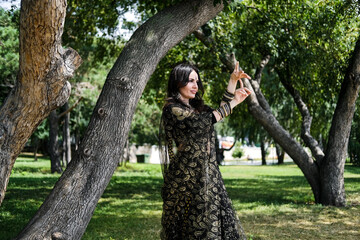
(42, 86)
(68, 209)
(332, 166)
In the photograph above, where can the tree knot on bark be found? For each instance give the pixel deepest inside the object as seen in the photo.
(58, 236)
(2, 135)
(123, 83)
(101, 112)
(87, 152)
(72, 61)
(61, 97)
(355, 78)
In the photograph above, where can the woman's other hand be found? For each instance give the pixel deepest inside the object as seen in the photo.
(241, 93)
(237, 74)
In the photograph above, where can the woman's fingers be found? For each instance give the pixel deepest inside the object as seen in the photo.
(244, 91)
(248, 91)
(244, 75)
(237, 74)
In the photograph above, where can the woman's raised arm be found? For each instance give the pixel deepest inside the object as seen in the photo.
(232, 96)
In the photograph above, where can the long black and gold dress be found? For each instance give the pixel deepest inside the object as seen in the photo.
(195, 202)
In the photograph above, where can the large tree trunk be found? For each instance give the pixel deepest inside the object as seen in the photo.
(68, 209)
(42, 79)
(332, 166)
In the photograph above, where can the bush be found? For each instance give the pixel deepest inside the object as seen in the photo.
(238, 151)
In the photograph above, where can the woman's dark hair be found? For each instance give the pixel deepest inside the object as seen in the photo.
(179, 77)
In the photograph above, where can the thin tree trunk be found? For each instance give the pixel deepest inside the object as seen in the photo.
(66, 136)
(35, 144)
(44, 67)
(263, 152)
(280, 154)
(68, 209)
(53, 144)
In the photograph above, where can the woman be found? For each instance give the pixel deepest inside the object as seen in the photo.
(195, 202)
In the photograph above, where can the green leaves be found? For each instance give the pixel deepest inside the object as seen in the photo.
(145, 124)
(9, 51)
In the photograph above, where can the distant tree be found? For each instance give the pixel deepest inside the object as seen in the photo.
(145, 124)
(289, 41)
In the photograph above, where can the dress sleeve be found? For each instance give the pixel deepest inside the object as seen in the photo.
(166, 140)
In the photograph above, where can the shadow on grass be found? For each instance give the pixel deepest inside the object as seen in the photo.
(23, 198)
(352, 169)
(132, 205)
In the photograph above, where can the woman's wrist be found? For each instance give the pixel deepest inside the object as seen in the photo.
(228, 96)
(233, 103)
(233, 80)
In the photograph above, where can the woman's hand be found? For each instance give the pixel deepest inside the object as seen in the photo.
(241, 93)
(237, 74)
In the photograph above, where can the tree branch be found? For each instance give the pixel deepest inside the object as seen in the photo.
(71, 108)
(309, 140)
(226, 59)
(255, 83)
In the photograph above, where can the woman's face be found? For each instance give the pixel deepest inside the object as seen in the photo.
(189, 91)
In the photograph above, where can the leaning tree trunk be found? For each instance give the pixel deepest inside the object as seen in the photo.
(261, 111)
(69, 207)
(44, 67)
(332, 166)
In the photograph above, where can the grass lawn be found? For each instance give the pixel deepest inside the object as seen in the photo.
(273, 202)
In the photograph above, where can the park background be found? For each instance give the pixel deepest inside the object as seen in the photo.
(314, 41)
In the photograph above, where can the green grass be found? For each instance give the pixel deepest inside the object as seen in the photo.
(273, 202)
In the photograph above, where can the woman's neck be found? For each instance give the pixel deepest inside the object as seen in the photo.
(184, 100)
